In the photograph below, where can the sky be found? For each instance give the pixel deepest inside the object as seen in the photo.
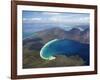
(55, 17)
(65, 20)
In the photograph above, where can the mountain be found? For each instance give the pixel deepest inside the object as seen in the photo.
(50, 34)
(41, 37)
(75, 30)
(33, 44)
(73, 34)
(85, 36)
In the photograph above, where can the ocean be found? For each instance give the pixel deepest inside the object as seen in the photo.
(65, 47)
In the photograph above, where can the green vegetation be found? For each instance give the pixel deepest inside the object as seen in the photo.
(32, 59)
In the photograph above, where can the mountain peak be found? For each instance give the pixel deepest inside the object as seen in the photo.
(75, 29)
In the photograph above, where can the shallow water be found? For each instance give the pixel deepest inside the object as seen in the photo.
(65, 47)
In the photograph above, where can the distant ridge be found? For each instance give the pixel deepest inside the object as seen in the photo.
(73, 34)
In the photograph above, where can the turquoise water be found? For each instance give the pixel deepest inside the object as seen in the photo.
(64, 47)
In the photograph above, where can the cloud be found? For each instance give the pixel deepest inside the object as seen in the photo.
(51, 13)
(36, 19)
(84, 19)
(70, 19)
(31, 20)
(61, 18)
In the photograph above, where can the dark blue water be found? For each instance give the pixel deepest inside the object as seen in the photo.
(66, 47)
